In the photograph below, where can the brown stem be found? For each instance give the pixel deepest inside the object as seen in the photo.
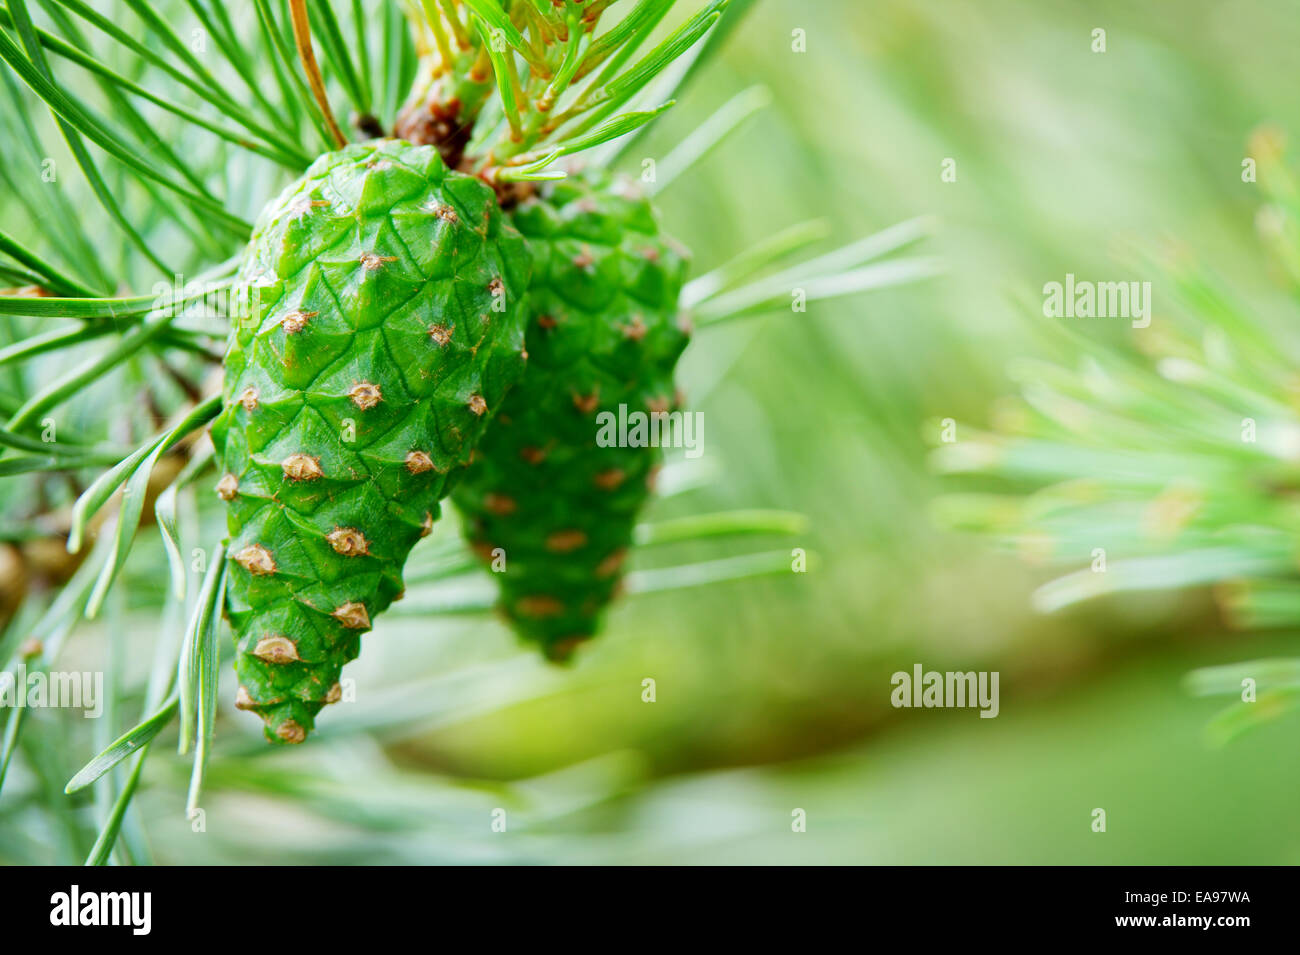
(302, 38)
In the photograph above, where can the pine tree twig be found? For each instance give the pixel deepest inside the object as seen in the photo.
(302, 37)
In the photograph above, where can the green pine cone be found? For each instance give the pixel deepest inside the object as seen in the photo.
(387, 327)
(603, 331)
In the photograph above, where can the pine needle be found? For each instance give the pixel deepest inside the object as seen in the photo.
(302, 37)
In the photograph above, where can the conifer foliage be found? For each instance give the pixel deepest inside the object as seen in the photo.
(439, 285)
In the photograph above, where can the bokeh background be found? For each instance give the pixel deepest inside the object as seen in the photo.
(773, 693)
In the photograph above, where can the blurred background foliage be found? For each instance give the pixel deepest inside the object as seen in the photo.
(773, 693)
